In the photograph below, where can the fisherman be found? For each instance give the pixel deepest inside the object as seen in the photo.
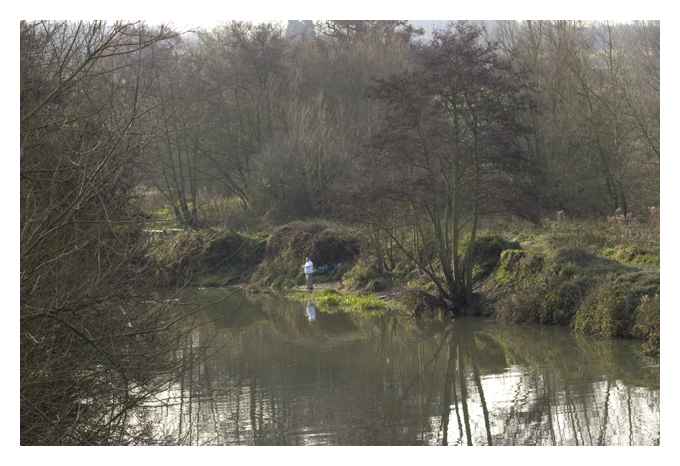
(309, 271)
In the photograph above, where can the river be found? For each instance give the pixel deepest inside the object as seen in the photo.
(277, 372)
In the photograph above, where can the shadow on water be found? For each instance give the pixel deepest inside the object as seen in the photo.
(276, 372)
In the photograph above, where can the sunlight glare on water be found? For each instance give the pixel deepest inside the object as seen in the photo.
(264, 374)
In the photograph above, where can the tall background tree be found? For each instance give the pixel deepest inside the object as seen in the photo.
(448, 152)
(594, 134)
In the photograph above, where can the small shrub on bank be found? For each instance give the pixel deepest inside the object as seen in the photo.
(605, 312)
(486, 254)
(517, 265)
(612, 309)
(366, 276)
(562, 299)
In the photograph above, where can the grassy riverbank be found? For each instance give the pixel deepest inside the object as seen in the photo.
(205, 258)
(598, 279)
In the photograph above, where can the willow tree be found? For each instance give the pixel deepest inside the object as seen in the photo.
(448, 154)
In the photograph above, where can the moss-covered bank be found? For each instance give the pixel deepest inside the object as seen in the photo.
(603, 291)
(212, 257)
(594, 279)
(206, 258)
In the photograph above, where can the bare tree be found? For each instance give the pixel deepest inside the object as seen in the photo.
(594, 134)
(448, 134)
(90, 349)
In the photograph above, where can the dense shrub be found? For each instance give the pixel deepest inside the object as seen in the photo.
(544, 289)
(561, 300)
(516, 265)
(612, 309)
(365, 275)
(486, 254)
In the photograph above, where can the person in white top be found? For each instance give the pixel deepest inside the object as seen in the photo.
(309, 272)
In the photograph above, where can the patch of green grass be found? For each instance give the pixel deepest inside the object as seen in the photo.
(591, 236)
(632, 255)
(331, 300)
(161, 218)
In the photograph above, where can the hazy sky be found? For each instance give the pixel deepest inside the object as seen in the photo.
(210, 23)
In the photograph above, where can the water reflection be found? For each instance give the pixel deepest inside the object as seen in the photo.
(311, 311)
(268, 377)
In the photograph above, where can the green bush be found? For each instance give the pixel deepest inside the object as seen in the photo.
(517, 266)
(561, 300)
(486, 254)
(612, 308)
(543, 289)
(365, 275)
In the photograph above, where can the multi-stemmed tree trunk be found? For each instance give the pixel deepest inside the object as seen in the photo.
(450, 129)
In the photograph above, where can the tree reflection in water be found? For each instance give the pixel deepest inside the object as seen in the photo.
(268, 377)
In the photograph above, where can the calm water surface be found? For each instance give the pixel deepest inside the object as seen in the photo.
(275, 372)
